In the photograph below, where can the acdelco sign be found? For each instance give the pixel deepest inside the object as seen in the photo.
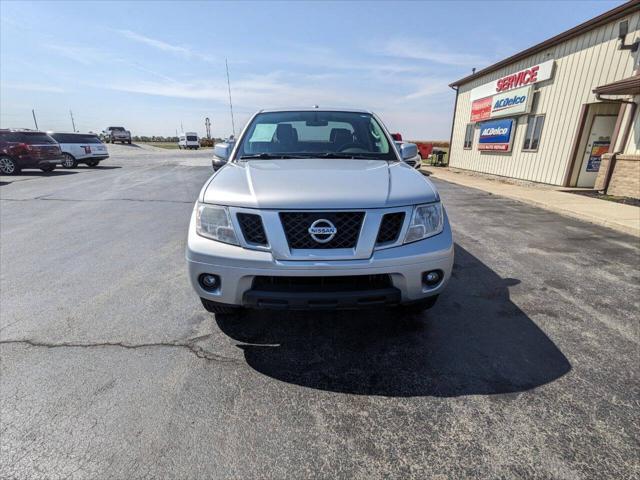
(513, 102)
(497, 135)
(528, 76)
(509, 102)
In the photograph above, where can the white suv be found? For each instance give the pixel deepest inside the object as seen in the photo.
(80, 148)
(316, 210)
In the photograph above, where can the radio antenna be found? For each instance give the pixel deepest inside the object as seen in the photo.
(233, 125)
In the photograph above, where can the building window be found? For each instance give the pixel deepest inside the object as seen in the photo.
(468, 136)
(533, 133)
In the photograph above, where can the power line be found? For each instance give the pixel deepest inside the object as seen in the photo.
(233, 125)
(73, 124)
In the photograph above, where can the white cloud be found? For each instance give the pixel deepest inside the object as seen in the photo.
(428, 88)
(432, 52)
(33, 87)
(164, 46)
(80, 54)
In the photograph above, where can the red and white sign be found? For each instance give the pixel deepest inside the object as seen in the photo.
(528, 76)
(501, 147)
(481, 109)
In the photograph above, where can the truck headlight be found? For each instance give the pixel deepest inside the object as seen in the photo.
(426, 221)
(214, 222)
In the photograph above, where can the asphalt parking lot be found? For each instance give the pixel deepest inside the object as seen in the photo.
(110, 368)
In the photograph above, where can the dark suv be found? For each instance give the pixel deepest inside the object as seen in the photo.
(27, 149)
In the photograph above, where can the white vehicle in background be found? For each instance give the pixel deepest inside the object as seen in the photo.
(188, 140)
(80, 148)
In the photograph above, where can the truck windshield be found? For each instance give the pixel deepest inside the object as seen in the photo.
(315, 134)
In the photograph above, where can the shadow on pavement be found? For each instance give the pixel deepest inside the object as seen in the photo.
(132, 145)
(97, 167)
(474, 341)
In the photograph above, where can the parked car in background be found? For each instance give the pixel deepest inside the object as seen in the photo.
(188, 140)
(20, 149)
(80, 148)
(117, 134)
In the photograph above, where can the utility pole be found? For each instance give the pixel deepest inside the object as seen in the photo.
(233, 125)
(33, 112)
(207, 126)
(181, 127)
(73, 124)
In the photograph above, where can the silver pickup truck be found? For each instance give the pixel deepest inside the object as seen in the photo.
(315, 209)
(116, 134)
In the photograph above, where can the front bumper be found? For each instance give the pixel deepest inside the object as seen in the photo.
(237, 268)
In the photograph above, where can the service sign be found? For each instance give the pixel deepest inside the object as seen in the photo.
(497, 135)
(508, 104)
(528, 76)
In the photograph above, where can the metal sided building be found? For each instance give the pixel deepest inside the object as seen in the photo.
(549, 113)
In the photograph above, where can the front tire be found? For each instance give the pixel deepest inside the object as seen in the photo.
(92, 163)
(68, 161)
(219, 308)
(8, 166)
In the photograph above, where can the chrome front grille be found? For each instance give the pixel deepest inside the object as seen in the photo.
(296, 227)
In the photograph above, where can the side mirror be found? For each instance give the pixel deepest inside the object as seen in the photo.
(222, 151)
(408, 150)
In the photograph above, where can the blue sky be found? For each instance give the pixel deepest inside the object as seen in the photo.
(152, 66)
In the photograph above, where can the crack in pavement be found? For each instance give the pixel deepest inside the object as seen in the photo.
(95, 200)
(197, 350)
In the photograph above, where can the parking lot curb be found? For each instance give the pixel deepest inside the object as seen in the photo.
(616, 216)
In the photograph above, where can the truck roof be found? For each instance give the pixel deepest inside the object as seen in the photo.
(314, 109)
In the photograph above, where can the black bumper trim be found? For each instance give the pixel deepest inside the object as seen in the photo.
(345, 300)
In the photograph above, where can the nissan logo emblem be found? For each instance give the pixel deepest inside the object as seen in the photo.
(322, 230)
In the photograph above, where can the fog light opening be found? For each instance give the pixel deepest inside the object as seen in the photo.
(432, 278)
(209, 282)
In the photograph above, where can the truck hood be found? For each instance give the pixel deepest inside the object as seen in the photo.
(318, 184)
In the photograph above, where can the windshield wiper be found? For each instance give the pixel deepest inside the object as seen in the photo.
(349, 156)
(265, 156)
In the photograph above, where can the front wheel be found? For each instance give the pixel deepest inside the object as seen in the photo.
(92, 163)
(68, 161)
(8, 166)
(129, 142)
